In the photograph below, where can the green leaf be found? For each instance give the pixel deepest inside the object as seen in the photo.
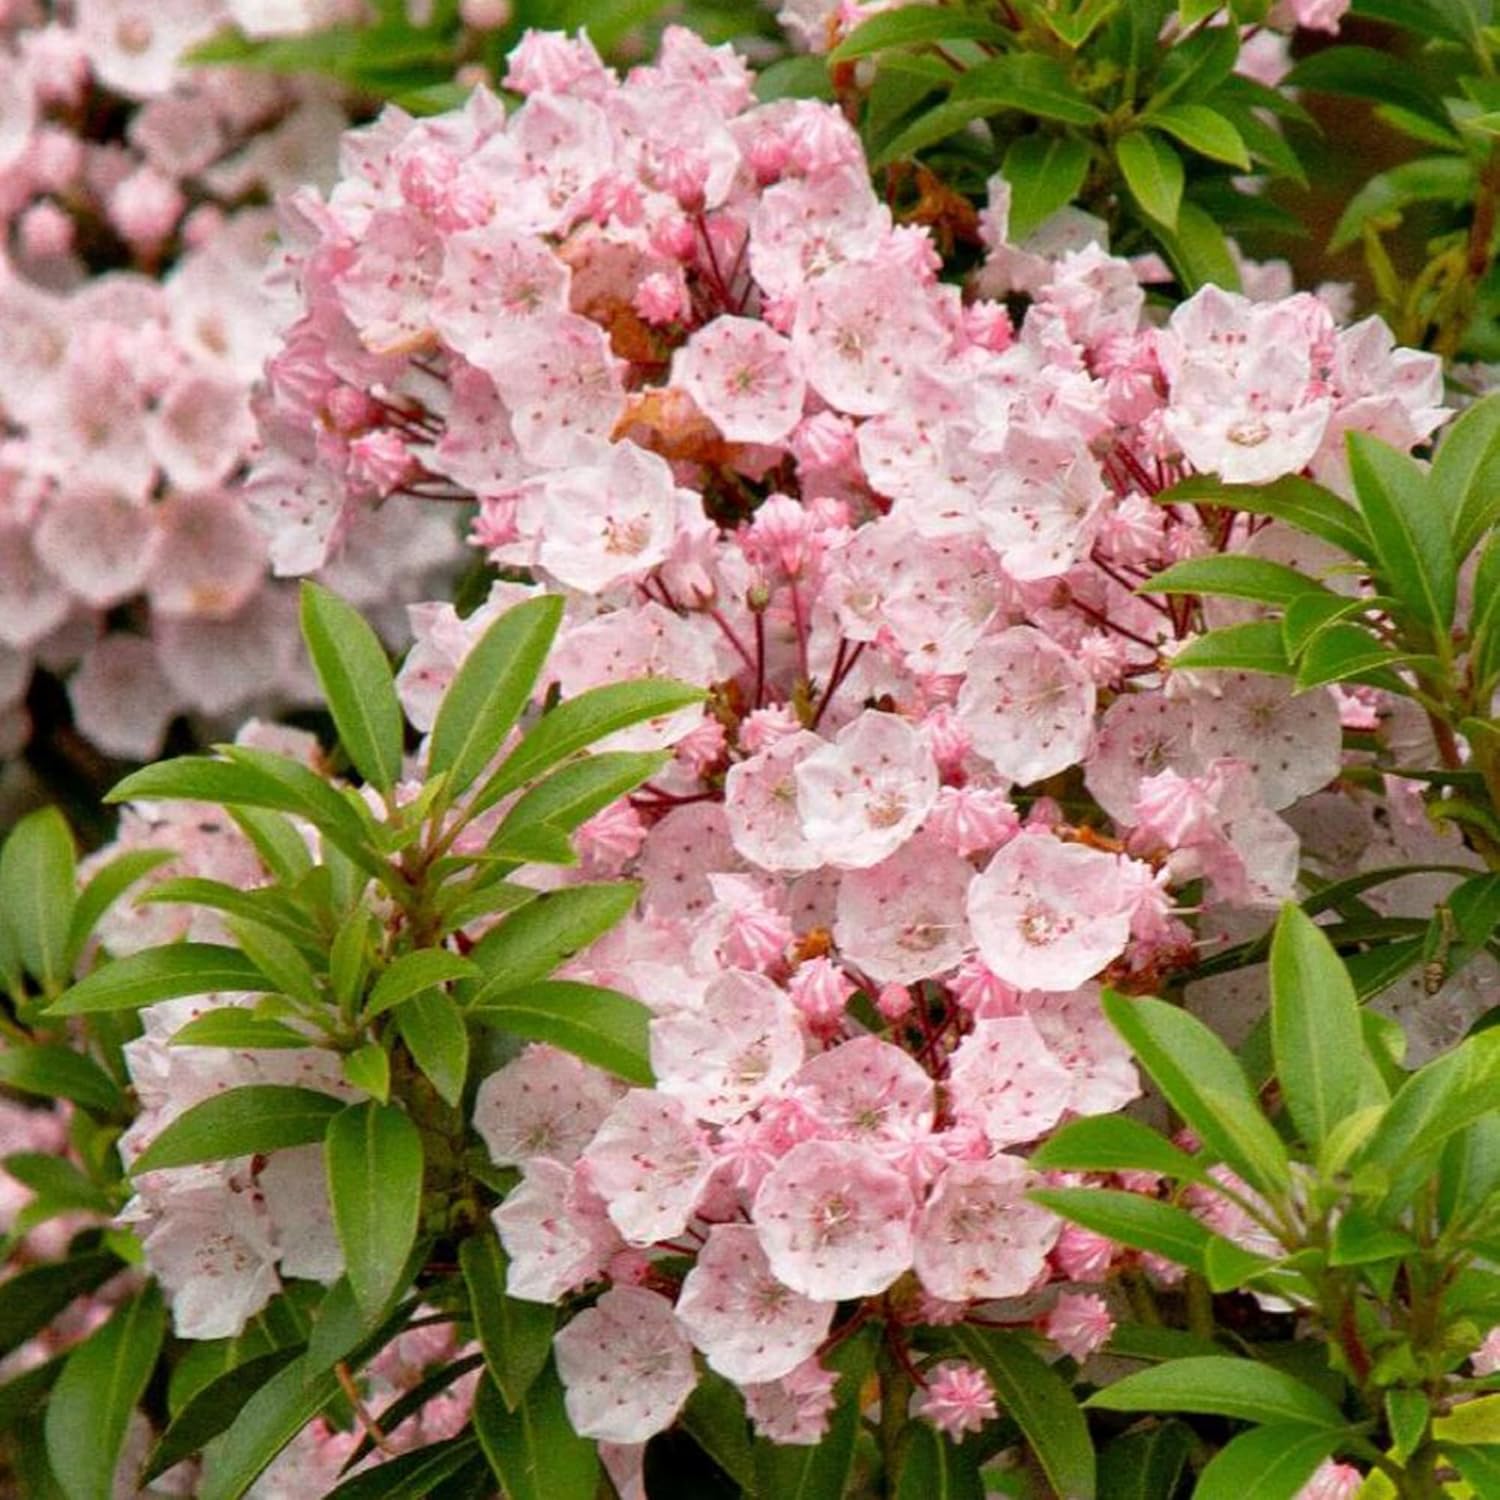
(910, 26)
(170, 973)
(1256, 646)
(356, 676)
(575, 792)
(601, 1026)
(937, 124)
(822, 1469)
(1410, 535)
(1428, 179)
(1045, 173)
(234, 1026)
(269, 1420)
(89, 1410)
(52, 1071)
(278, 959)
(930, 1467)
(490, 689)
(1030, 83)
(30, 1299)
(1133, 1219)
(57, 1180)
(1040, 1402)
(368, 1068)
(801, 77)
(1145, 1465)
(1484, 626)
(582, 721)
(266, 907)
(249, 1121)
(1480, 1467)
(1299, 502)
(1268, 1463)
(349, 959)
(1198, 249)
(1440, 1099)
(1153, 173)
(374, 1156)
(531, 942)
(1114, 1143)
(105, 887)
(516, 1336)
(1219, 1386)
(410, 1476)
(533, 1451)
(1406, 1414)
(435, 1035)
(1203, 130)
(1205, 1085)
(1315, 1031)
(1350, 653)
(1364, 73)
(282, 849)
(37, 894)
(414, 972)
(1465, 474)
(1235, 577)
(715, 1419)
(211, 1408)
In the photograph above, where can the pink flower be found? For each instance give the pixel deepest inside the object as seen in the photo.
(748, 1325)
(835, 1221)
(794, 1409)
(744, 378)
(958, 1398)
(1006, 1079)
(649, 1164)
(1079, 1323)
(865, 1090)
(545, 1103)
(1332, 1481)
(821, 991)
(1049, 915)
(625, 1365)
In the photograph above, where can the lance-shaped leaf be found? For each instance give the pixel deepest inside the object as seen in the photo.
(414, 972)
(105, 887)
(601, 1026)
(1219, 1386)
(1153, 173)
(170, 973)
(433, 1029)
(533, 1451)
(913, 25)
(1315, 1034)
(490, 689)
(254, 1120)
(374, 1159)
(1115, 1143)
(53, 1071)
(516, 1336)
(531, 942)
(356, 677)
(1298, 502)
(1269, 1463)
(37, 868)
(1465, 479)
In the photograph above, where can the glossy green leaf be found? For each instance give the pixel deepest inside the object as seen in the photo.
(30, 1299)
(714, 1417)
(213, 1407)
(1429, 179)
(577, 791)
(265, 907)
(1479, 1467)
(234, 1026)
(1484, 626)
(533, 1451)
(531, 942)
(1365, 73)
(1045, 173)
(278, 959)
(1235, 577)
(1315, 1033)
(1114, 1143)
(282, 849)
(107, 884)
(1268, 1463)
(1341, 652)
(37, 894)
(349, 959)
(90, 1407)
(1465, 475)
(1133, 1219)
(412, 973)
(1040, 1402)
(1406, 1414)
(53, 1071)
(355, 674)
(368, 1069)
(913, 25)
(1153, 173)
(516, 1336)
(1297, 501)
(269, 1420)
(931, 1467)
(1256, 646)
(601, 1026)
(937, 124)
(490, 690)
(1202, 1081)
(1203, 130)
(1440, 1099)
(374, 1158)
(1407, 526)
(170, 973)
(1219, 1386)
(582, 721)
(1145, 1465)
(434, 1032)
(414, 1475)
(56, 1179)
(253, 1120)
(1198, 249)
(1029, 83)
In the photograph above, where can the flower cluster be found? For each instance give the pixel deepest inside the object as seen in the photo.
(131, 266)
(693, 375)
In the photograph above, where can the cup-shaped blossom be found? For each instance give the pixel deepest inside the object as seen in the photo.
(543, 1103)
(1006, 1079)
